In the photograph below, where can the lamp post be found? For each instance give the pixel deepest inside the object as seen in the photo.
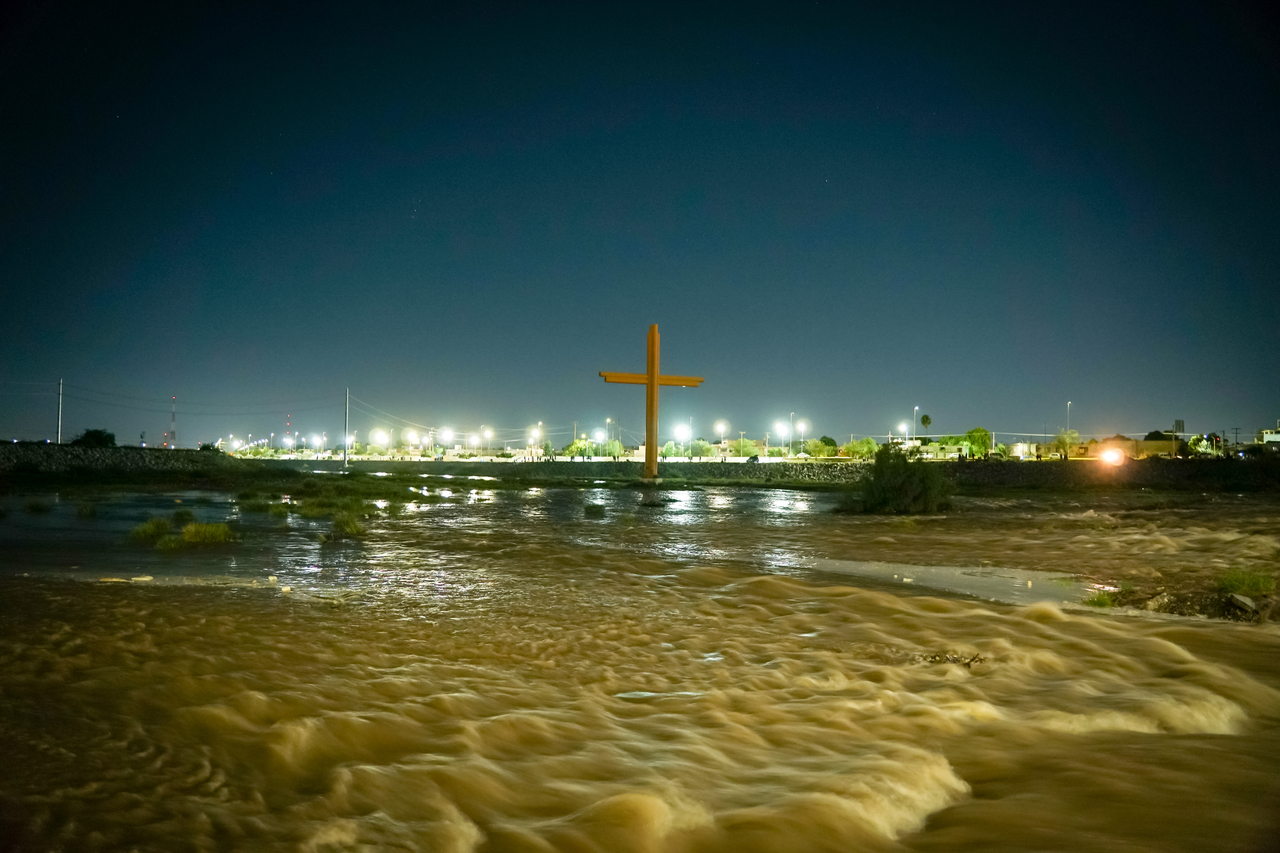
(488, 435)
(915, 412)
(721, 426)
(801, 426)
(791, 423)
(783, 431)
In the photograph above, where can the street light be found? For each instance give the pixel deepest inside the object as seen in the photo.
(802, 426)
(446, 435)
(903, 427)
(488, 434)
(915, 412)
(782, 430)
(682, 432)
(791, 422)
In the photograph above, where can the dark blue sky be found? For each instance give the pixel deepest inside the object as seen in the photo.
(983, 211)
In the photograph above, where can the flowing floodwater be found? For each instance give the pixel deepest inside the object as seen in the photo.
(736, 670)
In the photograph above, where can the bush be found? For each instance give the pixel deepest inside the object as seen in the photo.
(255, 506)
(1101, 598)
(897, 484)
(151, 529)
(279, 510)
(183, 517)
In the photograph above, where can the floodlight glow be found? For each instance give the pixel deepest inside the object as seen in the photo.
(238, 444)
(379, 437)
(903, 427)
(350, 440)
(1112, 456)
(534, 432)
(446, 435)
(315, 441)
(782, 429)
(488, 433)
(474, 439)
(411, 437)
(682, 431)
(598, 435)
(287, 441)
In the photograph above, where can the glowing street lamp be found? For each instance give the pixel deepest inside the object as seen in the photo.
(287, 441)
(903, 426)
(446, 435)
(721, 428)
(782, 430)
(682, 433)
(801, 427)
(488, 435)
(410, 436)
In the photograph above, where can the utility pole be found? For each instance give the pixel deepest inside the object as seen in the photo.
(1236, 430)
(173, 424)
(59, 411)
(346, 429)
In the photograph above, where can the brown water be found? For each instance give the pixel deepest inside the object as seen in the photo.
(501, 673)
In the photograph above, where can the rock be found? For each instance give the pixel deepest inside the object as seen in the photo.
(1244, 602)
(1158, 603)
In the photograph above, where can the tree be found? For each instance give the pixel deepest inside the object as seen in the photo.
(926, 421)
(979, 440)
(830, 442)
(95, 438)
(1064, 440)
(818, 447)
(1157, 435)
(701, 448)
(863, 448)
(668, 450)
(744, 447)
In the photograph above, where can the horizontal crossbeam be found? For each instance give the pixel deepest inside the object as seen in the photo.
(643, 379)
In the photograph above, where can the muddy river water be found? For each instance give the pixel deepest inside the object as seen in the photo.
(725, 670)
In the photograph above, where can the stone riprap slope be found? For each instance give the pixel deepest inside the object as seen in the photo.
(32, 458)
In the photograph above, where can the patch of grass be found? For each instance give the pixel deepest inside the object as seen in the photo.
(207, 534)
(255, 506)
(151, 529)
(1249, 582)
(170, 542)
(1101, 598)
(183, 517)
(87, 510)
(345, 526)
(38, 506)
(395, 510)
(279, 511)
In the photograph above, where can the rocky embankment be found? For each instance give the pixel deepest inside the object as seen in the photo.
(24, 458)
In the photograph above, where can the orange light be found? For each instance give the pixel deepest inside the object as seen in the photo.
(1112, 456)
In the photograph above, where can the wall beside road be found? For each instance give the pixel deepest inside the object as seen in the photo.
(33, 458)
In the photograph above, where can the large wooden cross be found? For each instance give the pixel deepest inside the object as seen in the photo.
(651, 380)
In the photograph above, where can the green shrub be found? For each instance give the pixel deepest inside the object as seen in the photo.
(151, 529)
(170, 542)
(1101, 598)
(279, 510)
(87, 510)
(899, 484)
(254, 506)
(182, 517)
(1247, 582)
(207, 534)
(38, 506)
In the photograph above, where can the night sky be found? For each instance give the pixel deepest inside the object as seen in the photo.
(984, 211)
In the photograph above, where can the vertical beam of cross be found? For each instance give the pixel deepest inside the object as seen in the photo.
(651, 379)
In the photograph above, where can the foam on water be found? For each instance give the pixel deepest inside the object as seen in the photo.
(459, 687)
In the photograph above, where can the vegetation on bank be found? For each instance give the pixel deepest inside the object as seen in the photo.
(897, 483)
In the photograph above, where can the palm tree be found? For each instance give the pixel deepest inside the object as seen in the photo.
(925, 420)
